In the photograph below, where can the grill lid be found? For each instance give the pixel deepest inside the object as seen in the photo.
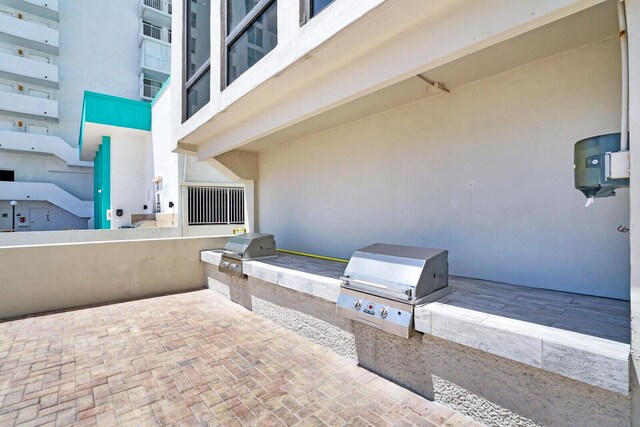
(251, 245)
(403, 273)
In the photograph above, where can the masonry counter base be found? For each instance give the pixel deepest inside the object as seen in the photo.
(537, 353)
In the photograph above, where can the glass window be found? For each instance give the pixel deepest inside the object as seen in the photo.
(318, 5)
(198, 94)
(251, 40)
(236, 12)
(252, 45)
(197, 55)
(200, 14)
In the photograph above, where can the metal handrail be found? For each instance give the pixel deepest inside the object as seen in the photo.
(149, 91)
(161, 5)
(215, 205)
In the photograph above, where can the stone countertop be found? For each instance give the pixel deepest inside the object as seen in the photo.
(581, 337)
(317, 277)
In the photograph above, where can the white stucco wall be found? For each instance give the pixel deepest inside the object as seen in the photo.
(172, 167)
(165, 163)
(98, 52)
(130, 177)
(485, 172)
(28, 167)
(80, 274)
(39, 215)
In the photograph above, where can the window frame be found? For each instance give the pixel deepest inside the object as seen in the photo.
(239, 30)
(200, 72)
(305, 11)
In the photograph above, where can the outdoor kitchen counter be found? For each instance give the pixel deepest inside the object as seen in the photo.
(580, 337)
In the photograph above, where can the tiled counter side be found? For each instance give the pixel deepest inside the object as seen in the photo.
(596, 361)
(547, 374)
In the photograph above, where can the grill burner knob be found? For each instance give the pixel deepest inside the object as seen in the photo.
(384, 312)
(225, 264)
(357, 305)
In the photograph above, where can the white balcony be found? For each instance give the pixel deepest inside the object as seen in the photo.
(44, 8)
(28, 105)
(156, 12)
(155, 59)
(28, 69)
(25, 141)
(46, 192)
(149, 91)
(154, 32)
(28, 33)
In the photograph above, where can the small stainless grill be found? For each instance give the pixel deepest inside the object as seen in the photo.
(382, 284)
(246, 247)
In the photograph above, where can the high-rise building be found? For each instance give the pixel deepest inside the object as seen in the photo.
(155, 46)
(51, 52)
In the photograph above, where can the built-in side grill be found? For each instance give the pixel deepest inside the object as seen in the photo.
(246, 247)
(382, 284)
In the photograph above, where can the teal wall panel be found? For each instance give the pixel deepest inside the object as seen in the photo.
(102, 185)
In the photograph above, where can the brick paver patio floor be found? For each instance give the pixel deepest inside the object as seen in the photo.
(189, 359)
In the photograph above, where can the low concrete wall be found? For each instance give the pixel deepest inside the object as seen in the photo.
(41, 278)
(77, 236)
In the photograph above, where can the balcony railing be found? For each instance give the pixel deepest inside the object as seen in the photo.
(25, 90)
(155, 56)
(149, 91)
(161, 5)
(33, 34)
(21, 126)
(155, 32)
(30, 102)
(152, 31)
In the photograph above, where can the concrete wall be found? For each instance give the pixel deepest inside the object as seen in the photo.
(98, 52)
(165, 163)
(201, 171)
(484, 171)
(178, 169)
(77, 274)
(28, 167)
(633, 22)
(80, 236)
(58, 219)
(130, 177)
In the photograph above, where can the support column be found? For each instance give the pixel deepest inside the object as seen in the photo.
(241, 166)
(633, 33)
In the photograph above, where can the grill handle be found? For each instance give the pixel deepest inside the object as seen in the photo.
(346, 280)
(225, 251)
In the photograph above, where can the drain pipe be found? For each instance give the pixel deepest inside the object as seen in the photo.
(624, 122)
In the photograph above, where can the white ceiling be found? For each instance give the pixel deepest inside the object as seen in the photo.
(589, 26)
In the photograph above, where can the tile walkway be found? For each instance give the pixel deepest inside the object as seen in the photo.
(189, 359)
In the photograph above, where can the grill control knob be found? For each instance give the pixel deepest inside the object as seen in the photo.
(225, 264)
(357, 305)
(384, 312)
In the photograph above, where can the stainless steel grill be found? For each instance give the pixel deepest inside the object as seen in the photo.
(382, 284)
(246, 247)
